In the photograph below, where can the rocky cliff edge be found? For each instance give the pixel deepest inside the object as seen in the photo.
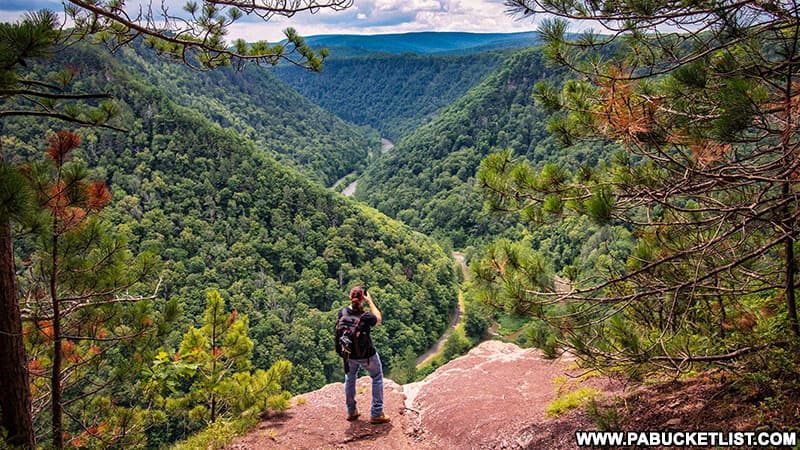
(495, 397)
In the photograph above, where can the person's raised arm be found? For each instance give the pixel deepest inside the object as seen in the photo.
(374, 309)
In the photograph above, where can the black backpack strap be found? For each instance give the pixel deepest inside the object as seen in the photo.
(345, 312)
(357, 336)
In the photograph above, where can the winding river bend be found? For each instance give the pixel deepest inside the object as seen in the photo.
(458, 309)
(458, 314)
(386, 145)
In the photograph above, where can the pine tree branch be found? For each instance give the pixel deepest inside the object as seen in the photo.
(40, 94)
(206, 44)
(41, 84)
(280, 8)
(112, 301)
(59, 116)
(724, 357)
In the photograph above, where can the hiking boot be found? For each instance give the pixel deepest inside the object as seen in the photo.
(383, 418)
(352, 417)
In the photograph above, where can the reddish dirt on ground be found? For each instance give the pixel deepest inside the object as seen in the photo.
(495, 397)
(712, 400)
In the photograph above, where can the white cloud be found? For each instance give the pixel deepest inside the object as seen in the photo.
(410, 5)
(392, 16)
(11, 16)
(367, 17)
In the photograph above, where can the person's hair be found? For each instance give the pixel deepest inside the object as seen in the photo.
(357, 293)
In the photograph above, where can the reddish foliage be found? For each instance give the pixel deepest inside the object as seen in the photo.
(67, 348)
(98, 195)
(35, 367)
(71, 217)
(57, 197)
(707, 151)
(61, 144)
(747, 321)
(624, 114)
(787, 106)
(46, 326)
(59, 203)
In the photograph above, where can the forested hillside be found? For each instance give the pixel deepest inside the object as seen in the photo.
(393, 94)
(253, 103)
(429, 182)
(223, 214)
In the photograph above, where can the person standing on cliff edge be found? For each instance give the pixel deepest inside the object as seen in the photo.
(354, 344)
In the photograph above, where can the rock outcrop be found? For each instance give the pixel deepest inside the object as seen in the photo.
(495, 397)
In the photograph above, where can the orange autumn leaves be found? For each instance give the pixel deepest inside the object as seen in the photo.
(622, 114)
(42, 332)
(635, 119)
(71, 201)
(61, 144)
(98, 195)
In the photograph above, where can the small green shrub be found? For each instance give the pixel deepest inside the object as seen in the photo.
(510, 324)
(605, 417)
(217, 435)
(571, 400)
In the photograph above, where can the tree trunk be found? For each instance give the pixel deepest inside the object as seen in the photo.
(15, 394)
(789, 224)
(58, 428)
(215, 379)
(791, 270)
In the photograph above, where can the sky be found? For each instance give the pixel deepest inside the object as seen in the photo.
(364, 17)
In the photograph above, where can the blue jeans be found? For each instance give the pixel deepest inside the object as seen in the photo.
(375, 369)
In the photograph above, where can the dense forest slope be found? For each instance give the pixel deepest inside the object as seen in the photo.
(428, 180)
(222, 213)
(394, 94)
(256, 105)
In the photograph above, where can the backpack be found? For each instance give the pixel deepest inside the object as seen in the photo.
(348, 334)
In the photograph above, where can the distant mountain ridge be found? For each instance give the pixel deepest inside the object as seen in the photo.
(423, 43)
